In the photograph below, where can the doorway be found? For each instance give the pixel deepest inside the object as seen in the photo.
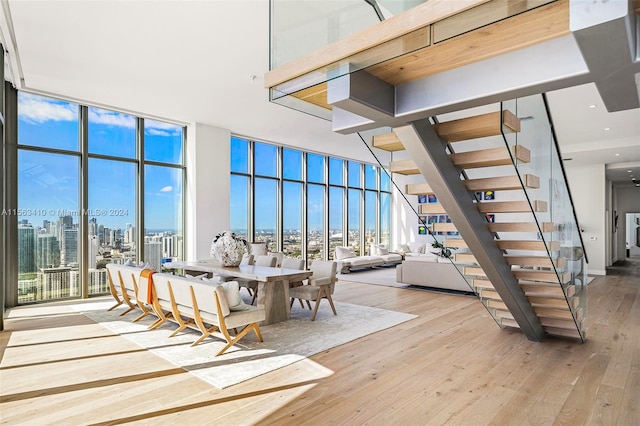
(632, 236)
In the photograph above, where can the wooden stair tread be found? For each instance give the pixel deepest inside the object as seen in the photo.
(465, 258)
(564, 332)
(483, 284)
(479, 126)
(418, 189)
(512, 206)
(520, 227)
(542, 275)
(539, 261)
(404, 167)
(561, 314)
(490, 157)
(540, 289)
(388, 142)
(529, 245)
(547, 302)
(502, 183)
(431, 208)
(455, 242)
(443, 227)
(488, 293)
(475, 271)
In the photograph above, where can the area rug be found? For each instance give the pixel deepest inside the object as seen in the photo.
(385, 276)
(284, 343)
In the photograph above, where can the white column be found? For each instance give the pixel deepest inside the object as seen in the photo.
(207, 189)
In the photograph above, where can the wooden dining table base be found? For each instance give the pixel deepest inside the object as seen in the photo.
(274, 297)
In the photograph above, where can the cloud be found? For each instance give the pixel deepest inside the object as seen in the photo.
(161, 128)
(167, 189)
(36, 109)
(157, 132)
(111, 118)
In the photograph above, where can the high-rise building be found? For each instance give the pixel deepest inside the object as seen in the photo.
(54, 283)
(94, 251)
(48, 251)
(98, 281)
(153, 254)
(172, 246)
(26, 248)
(69, 251)
(93, 226)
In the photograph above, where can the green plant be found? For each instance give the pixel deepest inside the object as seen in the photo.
(444, 251)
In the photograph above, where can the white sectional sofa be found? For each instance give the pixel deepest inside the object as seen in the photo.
(429, 270)
(379, 256)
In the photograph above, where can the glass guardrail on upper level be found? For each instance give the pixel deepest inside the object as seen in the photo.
(312, 42)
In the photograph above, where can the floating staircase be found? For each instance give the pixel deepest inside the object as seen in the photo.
(536, 264)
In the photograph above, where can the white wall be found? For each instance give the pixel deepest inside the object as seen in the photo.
(588, 189)
(207, 192)
(626, 200)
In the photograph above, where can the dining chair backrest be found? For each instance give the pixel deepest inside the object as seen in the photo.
(258, 248)
(247, 259)
(265, 260)
(324, 269)
(291, 263)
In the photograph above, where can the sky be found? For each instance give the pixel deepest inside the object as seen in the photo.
(48, 183)
(292, 160)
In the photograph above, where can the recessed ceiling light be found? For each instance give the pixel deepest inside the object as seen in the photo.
(617, 155)
(592, 106)
(629, 171)
(606, 129)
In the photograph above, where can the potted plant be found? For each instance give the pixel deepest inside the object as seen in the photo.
(443, 251)
(228, 248)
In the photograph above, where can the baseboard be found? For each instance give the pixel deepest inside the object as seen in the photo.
(597, 272)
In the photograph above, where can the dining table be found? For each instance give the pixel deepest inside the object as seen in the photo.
(273, 283)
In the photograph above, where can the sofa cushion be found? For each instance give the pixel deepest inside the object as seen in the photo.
(423, 258)
(363, 261)
(345, 253)
(391, 258)
(415, 247)
(383, 251)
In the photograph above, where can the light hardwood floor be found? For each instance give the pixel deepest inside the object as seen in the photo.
(452, 365)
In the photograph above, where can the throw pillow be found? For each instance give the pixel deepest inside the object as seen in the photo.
(383, 251)
(415, 247)
(232, 291)
(198, 277)
(129, 262)
(404, 248)
(345, 253)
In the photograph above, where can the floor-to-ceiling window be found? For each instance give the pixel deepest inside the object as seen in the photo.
(306, 204)
(88, 179)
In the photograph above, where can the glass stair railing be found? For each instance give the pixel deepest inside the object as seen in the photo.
(522, 194)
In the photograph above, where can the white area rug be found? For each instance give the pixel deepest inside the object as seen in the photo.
(380, 276)
(284, 343)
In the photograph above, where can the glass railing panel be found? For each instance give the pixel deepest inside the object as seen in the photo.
(416, 226)
(299, 44)
(300, 27)
(480, 16)
(551, 203)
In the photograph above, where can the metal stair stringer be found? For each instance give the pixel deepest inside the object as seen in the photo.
(427, 149)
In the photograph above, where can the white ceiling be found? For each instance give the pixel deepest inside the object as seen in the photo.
(204, 61)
